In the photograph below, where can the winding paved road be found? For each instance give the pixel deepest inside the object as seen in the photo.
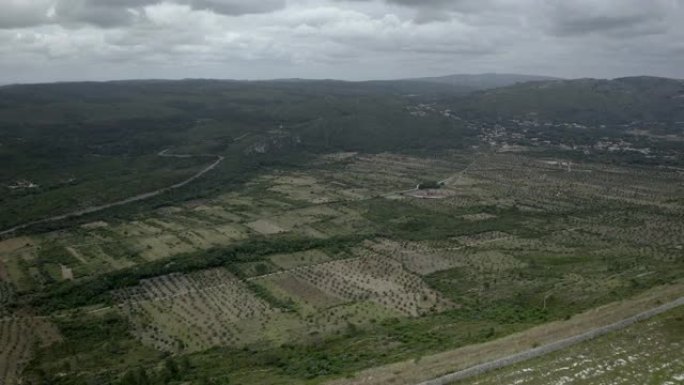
(135, 198)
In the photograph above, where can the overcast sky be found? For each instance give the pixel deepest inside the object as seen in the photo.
(49, 40)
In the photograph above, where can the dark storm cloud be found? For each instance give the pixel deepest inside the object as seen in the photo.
(619, 18)
(626, 26)
(106, 14)
(20, 13)
(112, 13)
(238, 7)
(565, 17)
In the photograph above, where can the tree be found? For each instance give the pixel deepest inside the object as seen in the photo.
(185, 364)
(261, 269)
(171, 371)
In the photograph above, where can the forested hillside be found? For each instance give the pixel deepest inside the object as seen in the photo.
(589, 101)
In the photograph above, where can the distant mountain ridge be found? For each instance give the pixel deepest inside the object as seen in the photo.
(477, 97)
(483, 81)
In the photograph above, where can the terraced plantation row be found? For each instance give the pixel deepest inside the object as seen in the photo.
(20, 336)
(194, 311)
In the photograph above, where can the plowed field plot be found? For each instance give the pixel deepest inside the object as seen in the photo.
(651, 352)
(289, 287)
(19, 336)
(377, 278)
(190, 312)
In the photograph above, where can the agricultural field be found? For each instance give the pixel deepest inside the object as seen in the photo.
(349, 233)
(194, 312)
(367, 276)
(312, 295)
(20, 337)
(263, 208)
(350, 252)
(649, 352)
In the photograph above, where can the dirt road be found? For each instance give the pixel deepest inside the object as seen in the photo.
(135, 198)
(552, 347)
(460, 363)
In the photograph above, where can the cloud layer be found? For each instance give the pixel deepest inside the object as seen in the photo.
(45, 40)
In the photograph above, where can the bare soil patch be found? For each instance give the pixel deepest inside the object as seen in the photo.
(95, 225)
(308, 293)
(266, 227)
(13, 244)
(478, 217)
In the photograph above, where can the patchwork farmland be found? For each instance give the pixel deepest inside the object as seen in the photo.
(347, 255)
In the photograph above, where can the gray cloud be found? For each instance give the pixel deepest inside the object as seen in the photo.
(20, 13)
(617, 17)
(238, 7)
(109, 14)
(351, 39)
(97, 12)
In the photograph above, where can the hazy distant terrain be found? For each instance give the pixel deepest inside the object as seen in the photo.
(483, 81)
(308, 232)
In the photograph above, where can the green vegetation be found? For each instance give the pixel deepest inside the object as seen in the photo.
(97, 289)
(588, 101)
(65, 137)
(308, 254)
(619, 356)
(429, 185)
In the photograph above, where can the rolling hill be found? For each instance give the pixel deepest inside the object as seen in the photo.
(588, 101)
(482, 81)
